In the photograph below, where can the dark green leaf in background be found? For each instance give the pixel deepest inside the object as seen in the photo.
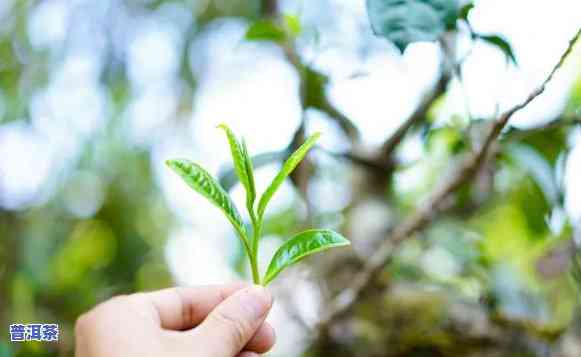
(539, 169)
(465, 11)
(301, 246)
(266, 30)
(407, 21)
(501, 43)
(289, 27)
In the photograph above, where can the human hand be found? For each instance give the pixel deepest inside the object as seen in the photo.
(209, 321)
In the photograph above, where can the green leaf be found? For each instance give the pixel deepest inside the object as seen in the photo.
(251, 191)
(539, 169)
(301, 246)
(266, 30)
(228, 177)
(287, 168)
(574, 102)
(293, 25)
(203, 183)
(501, 44)
(465, 11)
(407, 21)
(242, 166)
(315, 84)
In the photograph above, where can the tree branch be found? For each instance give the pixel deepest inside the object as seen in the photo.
(564, 121)
(383, 255)
(269, 8)
(348, 127)
(381, 163)
(360, 161)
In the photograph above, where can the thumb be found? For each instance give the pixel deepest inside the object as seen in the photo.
(229, 327)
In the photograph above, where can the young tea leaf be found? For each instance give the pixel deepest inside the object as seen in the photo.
(287, 168)
(301, 246)
(242, 165)
(203, 183)
(228, 178)
(251, 190)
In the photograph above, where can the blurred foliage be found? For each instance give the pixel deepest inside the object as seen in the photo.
(268, 30)
(501, 253)
(405, 22)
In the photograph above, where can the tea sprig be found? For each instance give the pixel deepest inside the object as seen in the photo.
(291, 251)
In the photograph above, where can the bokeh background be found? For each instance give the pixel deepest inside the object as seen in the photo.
(96, 95)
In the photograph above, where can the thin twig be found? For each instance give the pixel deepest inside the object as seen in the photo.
(383, 255)
(346, 125)
(359, 160)
(566, 121)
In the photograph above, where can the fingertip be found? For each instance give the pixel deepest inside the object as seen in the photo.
(263, 294)
(252, 303)
(237, 320)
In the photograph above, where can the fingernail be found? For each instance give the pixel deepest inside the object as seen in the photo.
(257, 300)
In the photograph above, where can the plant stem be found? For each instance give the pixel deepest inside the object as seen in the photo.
(255, 273)
(256, 225)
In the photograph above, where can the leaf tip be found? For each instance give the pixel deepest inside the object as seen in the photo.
(171, 163)
(316, 135)
(176, 164)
